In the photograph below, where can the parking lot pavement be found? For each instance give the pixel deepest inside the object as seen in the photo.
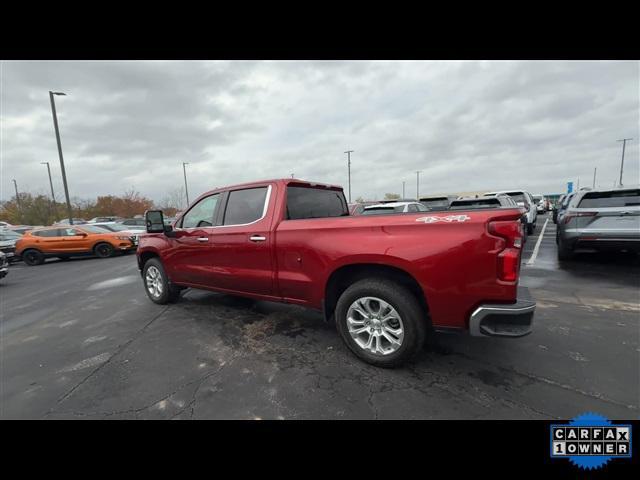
(80, 339)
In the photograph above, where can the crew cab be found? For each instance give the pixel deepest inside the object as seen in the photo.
(387, 281)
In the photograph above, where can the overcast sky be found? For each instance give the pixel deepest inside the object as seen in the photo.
(466, 125)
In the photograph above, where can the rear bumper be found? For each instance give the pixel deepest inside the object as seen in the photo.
(500, 320)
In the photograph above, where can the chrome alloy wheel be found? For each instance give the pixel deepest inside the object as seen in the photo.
(375, 325)
(154, 281)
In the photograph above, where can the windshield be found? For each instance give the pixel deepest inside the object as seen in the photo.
(112, 228)
(92, 229)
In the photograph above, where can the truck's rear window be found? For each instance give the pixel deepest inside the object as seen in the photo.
(308, 202)
(620, 198)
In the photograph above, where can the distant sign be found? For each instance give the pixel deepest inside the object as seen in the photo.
(569, 187)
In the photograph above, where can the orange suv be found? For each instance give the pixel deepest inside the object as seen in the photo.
(68, 241)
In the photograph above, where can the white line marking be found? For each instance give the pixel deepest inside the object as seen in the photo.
(537, 247)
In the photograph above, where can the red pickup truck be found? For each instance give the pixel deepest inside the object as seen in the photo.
(387, 281)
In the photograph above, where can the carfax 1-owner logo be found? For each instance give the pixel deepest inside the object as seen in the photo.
(590, 440)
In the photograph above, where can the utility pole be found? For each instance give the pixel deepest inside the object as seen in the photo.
(349, 152)
(594, 176)
(624, 143)
(53, 197)
(578, 187)
(417, 185)
(403, 196)
(15, 184)
(186, 190)
(64, 175)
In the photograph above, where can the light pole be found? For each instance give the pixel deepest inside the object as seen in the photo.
(186, 190)
(64, 175)
(53, 197)
(403, 196)
(349, 152)
(595, 169)
(417, 185)
(15, 184)
(624, 143)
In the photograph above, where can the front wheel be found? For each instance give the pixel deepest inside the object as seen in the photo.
(381, 322)
(156, 283)
(103, 250)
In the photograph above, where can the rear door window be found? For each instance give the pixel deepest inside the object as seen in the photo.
(245, 206)
(622, 198)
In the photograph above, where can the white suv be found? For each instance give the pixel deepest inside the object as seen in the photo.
(523, 199)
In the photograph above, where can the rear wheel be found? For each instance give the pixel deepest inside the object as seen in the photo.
(32, 257)
(530, 228)
(157, 284)
(564, 251)
(381, 322)
(103, 250)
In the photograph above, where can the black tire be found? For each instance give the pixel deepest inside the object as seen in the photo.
(32, 257)
(530, 228)
(169, 293)
(564, 251)
(403, 301)
(103, 250)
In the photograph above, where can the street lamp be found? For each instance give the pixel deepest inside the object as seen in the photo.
(64, 175)
(349, 152)
(624, 144)
(186, 190)
(53, 197)
(417, 185)
(15, 184)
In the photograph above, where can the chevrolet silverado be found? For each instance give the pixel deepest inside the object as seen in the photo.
(386, 281)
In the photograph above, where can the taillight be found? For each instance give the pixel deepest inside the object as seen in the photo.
(569, 216)
(511, 232)
(509, 264)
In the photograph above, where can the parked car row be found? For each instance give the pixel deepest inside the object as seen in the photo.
(501, 199)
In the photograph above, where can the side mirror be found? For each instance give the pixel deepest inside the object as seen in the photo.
(155, 221)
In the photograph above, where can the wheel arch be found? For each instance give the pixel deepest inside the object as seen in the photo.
(145, 256)
(344, 276)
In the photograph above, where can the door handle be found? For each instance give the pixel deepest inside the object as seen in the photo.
(257, 238)
(203, 239)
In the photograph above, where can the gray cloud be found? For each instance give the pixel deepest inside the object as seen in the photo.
(465, 125)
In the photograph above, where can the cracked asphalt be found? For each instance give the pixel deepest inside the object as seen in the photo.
(80, 339)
